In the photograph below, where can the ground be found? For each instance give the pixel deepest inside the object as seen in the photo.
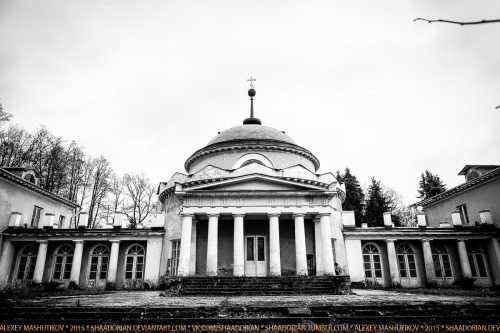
(367, 310)
(360, 297)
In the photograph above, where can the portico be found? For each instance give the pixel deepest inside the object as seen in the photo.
(255, 251)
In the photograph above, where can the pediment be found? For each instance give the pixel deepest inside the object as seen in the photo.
(256, 183)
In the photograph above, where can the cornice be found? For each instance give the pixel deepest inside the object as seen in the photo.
(417, 233)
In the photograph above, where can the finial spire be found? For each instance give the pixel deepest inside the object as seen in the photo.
(251, 92)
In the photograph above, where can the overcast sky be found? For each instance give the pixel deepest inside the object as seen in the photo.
(358, 83)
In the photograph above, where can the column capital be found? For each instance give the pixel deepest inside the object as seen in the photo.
(273, 215)
(423, 240)
(79, 241)
(114, 241)
(323, 214)
(390, 240)
(462, 239)
(43, 241)
(239, 215)
(298, 215)
(213, 214)
(186, 214)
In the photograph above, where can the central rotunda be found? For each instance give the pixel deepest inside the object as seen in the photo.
(252, 204)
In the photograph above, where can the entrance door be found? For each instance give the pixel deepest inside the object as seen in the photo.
(255, 256)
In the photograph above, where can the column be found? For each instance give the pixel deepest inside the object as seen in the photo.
(40, 261)
(153, 256)
(429, 262)
(300, 245)
(464, 260)
(494, 255)
(212, 244)
(185, 253)
(393, 262)
(6, 260)
(192, 262)
(239, 246)
(274, 245)
(326, 242)
(318, 247)
(77, 262)
(113, 262)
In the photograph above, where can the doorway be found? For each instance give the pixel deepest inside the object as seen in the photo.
(255, 255)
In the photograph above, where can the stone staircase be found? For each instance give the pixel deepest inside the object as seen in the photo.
(269, 285)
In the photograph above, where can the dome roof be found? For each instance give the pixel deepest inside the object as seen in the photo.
(251, 132)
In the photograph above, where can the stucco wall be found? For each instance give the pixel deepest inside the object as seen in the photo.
(14, 198)
(485, 196)
(173, 228)
(227, 159)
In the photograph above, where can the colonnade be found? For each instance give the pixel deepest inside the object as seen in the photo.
(324, 242)
(77, 261)
(430, 272)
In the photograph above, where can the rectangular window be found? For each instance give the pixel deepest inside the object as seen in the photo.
(447, 266)
(67, 267)
(129, 267)
(437, 265)
(333, 250)
(93, 268)
(22, 267)
(61, 221)
(35, 219)
(462, 209)
(176, 251)
(260, 249)
(250, 248)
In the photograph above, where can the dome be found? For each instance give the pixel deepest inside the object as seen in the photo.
(251, 132)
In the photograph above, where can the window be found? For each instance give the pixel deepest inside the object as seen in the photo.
(26, 263)
(61, 221)
(406, 261)
(99, 260)
(371, 262)
(441, 259)
(63, 261)
(134, 262)
(462, 209)
(174, 262)
(35, 220)
(250, 161)
(477, 261)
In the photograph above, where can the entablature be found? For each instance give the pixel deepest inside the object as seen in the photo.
(407, 233)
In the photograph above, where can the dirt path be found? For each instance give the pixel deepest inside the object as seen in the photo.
(153, 299)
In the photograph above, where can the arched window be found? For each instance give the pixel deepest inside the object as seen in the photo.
(99, 259)
(30, 178)
(134, 264)
(26, 263)
(406, 261)
(372, 262)
(477, 261)
(63, 260)
(441, 259)
(247, 162)
(252, 158)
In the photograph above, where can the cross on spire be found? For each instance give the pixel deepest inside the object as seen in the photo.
(251, 81)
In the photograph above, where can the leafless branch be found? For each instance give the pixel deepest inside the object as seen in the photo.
(458, 22)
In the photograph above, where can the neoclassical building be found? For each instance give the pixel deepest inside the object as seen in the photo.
(252, 203)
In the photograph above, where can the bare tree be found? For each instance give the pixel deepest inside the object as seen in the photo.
(140, 198)
(100, 189)
(4, 116)
(402, 215)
